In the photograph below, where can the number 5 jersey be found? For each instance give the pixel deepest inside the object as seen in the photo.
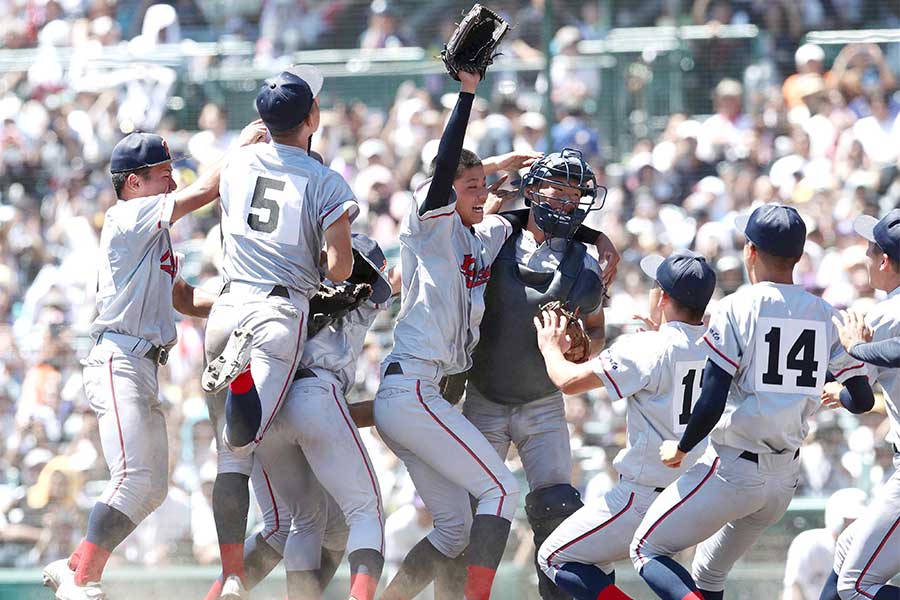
(778, 342)
(277, 202)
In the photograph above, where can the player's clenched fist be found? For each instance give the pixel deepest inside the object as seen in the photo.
(831, 395)
(671, 454)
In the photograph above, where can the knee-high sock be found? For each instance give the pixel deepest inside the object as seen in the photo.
(331, 560)
(829, 590)
(106, 529)
(669, 580)
(303, 585)
(708, 595)
(259, 560)
(416, 571)
(231, 501)
(366, 565)
(487, 543)
(450, 578)
(243, 410)
(587, 582)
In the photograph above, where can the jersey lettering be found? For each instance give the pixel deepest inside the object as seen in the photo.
(791, 356)
(168, 262)
(474, 277)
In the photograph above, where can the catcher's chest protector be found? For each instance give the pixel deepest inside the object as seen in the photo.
(507, 365)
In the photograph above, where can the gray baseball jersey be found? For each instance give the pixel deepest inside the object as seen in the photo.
(137, 271)
(660, 372)
(445, 267)
(276, 203)
(778, 341)
(884, 319)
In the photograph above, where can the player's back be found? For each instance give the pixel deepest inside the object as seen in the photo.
(277, 202)
(778, 342)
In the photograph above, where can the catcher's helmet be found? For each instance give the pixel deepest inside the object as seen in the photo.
(559, 217)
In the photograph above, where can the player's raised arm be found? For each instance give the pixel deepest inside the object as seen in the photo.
(206, 188)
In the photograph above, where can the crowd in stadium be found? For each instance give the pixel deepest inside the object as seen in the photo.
(822, 135)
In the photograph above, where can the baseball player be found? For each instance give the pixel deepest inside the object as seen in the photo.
(659, 373)
(867, 554)
(138, 288)
(769, 347)
(279, 205)
(509, 396)
(447, 247)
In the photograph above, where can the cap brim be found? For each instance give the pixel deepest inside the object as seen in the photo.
(311, 75)
(650, 264)
(740, 223)
(864, 225)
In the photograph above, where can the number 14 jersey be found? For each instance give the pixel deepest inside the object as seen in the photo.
(277, 202)
(778, 342)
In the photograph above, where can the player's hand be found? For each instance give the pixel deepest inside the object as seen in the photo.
(253, 133)
(831, 395)
(551, 332)
(496, 196)
(670, 454)
(649, 323)
(469, 81)
(609, 255)
(513, 161)
(852, 328)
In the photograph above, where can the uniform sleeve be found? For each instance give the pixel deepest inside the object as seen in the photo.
(627, 366)
(493, 232)
(436, 222)
(337, 198)
(149, 215)
(841, 364)
(724, 341)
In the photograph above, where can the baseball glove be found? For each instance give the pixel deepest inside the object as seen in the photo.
(331, 303)
(472, 45)
(580, 347)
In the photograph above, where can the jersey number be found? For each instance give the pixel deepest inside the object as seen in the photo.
(687, 380)
(801, 358)
(264, 206)
(687, 400)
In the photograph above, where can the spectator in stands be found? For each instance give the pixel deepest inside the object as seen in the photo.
(724, 135)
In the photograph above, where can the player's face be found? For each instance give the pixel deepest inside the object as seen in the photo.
(560, 197)
(471, 194)
(158, 180)
(875, 265)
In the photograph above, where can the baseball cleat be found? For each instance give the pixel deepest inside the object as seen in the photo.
(233, 589)
(69, 591)
(234, 359)
(55, 573)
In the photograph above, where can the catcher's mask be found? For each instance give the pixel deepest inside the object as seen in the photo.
(559, 217)
(370, 266)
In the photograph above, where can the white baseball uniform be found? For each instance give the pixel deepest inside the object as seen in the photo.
(314, 432)
(777, 341)
(445, 266)
(808, 563)
(134, 325)
(868, 552)
(277, 202)
(660, 374)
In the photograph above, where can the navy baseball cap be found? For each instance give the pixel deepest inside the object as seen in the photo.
(684, 275)
(367, 249)
(884, 232)
(284, 101)
(775, 229)
(138, 150)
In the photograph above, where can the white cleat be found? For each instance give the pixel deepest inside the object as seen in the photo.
(233, 589)
(69, 591)
(234, 359)
(56, 573)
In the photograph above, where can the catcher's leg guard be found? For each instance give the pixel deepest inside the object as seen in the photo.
(546, 509)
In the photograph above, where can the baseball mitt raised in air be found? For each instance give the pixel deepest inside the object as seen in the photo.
(332, 303)
(580, 347)
(472, 46)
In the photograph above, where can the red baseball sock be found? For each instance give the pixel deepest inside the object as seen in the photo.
(611, 592)
(362, 586)
(232, 560)
(92, 562)
(242, 383)
(478, 582)
(75, 558)
(214, 591)
(694, 596)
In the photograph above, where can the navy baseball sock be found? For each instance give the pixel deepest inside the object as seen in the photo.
(888, 592)
(450, 577)
(707, 595)
(416, 571)
(829, 590)
(231, 501)
(669, 580)
(259, 560)
(331, 560)
(587, 582)
(106, 529)
(243, 411)
(486, 546)
(365, 572)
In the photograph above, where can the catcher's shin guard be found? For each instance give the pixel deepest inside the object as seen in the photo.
(546, 509)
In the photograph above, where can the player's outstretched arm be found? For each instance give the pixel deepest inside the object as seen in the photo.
(569, 377)
(191, 301)
(855, 395)
(595, 325)
(206, 188)
(338, 250)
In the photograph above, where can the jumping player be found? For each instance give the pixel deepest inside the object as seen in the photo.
(659, 373)
(769, 347)
(447, 247)
(279, 206)
(137, 294)
(867, 554)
